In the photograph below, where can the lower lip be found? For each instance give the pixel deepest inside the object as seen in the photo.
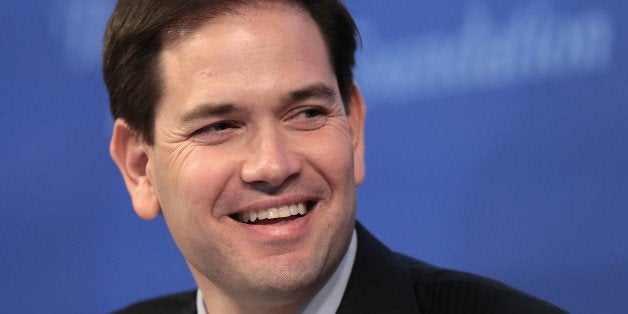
(283, 230)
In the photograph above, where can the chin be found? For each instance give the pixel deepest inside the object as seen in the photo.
(290, 281)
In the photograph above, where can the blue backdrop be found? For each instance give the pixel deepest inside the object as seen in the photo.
(496, 143)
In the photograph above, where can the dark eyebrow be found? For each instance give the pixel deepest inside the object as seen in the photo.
(315, 91)
(206, 110)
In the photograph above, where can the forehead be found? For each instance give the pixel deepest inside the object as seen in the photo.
(263, 18)
(259, 49)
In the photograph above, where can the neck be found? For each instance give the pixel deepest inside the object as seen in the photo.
(248, 307)
(217, 300)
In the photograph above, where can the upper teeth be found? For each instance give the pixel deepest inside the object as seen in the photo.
(273, 212)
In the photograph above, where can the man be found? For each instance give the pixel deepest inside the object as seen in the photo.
(239, 121)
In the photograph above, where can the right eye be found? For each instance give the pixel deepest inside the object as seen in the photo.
(216, 133)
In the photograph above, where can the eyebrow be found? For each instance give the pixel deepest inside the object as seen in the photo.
(206, 110)
(314, 91)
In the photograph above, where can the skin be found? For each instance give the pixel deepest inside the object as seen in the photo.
(251, 118)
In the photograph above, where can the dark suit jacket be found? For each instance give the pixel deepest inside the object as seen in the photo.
(386, 282)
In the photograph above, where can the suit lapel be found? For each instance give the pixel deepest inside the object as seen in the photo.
(379, 283)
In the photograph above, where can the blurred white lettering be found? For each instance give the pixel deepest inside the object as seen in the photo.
(534, 44)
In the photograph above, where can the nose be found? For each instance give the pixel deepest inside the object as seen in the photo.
(271, 160)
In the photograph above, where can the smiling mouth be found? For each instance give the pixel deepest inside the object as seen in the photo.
(274, 214)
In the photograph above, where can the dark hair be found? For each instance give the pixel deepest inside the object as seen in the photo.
(139, 29)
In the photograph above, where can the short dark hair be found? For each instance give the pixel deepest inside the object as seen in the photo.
(138, 31)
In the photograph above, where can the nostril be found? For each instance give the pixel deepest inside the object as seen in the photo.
(271, 162)
(274, 188)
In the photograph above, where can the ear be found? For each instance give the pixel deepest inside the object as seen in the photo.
(132, 157)
(357, 114)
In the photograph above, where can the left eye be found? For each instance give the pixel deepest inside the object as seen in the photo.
(309, 118)
(312, 112)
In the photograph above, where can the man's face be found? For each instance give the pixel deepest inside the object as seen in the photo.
(251, 123)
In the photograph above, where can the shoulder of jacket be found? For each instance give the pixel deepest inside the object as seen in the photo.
(184, 302)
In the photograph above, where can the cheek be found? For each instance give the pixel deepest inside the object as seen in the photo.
(194, 181)
(332, 155)
(205, 176)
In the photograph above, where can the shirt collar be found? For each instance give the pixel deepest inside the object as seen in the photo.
(326, 299)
